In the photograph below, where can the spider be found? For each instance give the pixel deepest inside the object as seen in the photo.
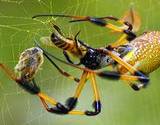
(132, 58)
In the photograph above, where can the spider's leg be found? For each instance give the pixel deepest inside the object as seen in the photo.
(68, 58)
(59, 111)
(126, 65)
(100, 21)
(136, 75)
(121, 41)
(48, 55)
(96, 103)
(32, 88)
(70, 103)
(127, 34)
(130, 19)
(57, 107)
(10, 73)
(133, 18)
(29, 86)
(58, 68)
(117, 76)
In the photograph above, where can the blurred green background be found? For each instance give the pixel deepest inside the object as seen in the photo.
(121, 105)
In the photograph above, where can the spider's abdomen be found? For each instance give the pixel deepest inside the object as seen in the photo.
(145, 53)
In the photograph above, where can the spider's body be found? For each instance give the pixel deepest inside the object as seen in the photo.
(94, 59)
(144, 54)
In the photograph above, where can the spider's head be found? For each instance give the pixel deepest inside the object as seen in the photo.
(94, 59)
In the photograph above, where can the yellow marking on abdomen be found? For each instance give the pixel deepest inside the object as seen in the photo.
(145, 55)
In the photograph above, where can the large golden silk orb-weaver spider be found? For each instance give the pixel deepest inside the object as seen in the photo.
(131, 57)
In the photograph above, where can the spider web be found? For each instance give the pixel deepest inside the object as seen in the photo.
(121, 105)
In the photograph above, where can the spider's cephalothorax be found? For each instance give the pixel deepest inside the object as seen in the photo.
(93, 59)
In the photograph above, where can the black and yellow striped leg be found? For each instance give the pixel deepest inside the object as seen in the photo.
(117, 76)
(32, 88)
(61, 109)
(128, 35)
(29, 86)
(133, 19)
(68, 108)
(57, 108)
(100, 21)
(70, 103)
(131, 69)
(96, 103)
